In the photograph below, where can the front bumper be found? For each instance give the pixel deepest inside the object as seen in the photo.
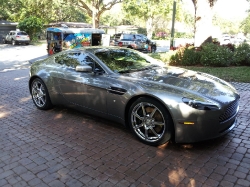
(205, 126)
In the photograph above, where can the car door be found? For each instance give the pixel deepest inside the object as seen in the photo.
(83, 89)
(8, 36)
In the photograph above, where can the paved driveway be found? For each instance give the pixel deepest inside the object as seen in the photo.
(63, 147)
(13, 57)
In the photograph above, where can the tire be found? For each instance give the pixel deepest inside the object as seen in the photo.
(153, 49)
(13, 42)
(4, 41)
(40, 95)
(150, 121)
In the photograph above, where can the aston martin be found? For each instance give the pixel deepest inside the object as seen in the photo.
(157, 102)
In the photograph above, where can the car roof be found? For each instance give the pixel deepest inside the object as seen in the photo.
(75, 30)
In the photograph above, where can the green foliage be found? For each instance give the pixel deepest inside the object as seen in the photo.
(183, 35)
(245, 25)
(191, 57)
(175, 59)
(146, 10)
(226, 26)
(164, 57)
(211, 54)
(215, 55)
(242, 54)
(32, 25)
(186, 56)
(9, 8)
(47, 10)
(142, 31)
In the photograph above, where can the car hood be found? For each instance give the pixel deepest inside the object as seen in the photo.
(186, 82)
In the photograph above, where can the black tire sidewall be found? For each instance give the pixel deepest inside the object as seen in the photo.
(153, 49)
(168, 121)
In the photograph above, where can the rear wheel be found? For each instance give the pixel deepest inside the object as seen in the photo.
(150, 121)
(153, 49)
(13, 42)
(40, 95)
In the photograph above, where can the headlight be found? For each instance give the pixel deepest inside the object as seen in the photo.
(200, 105)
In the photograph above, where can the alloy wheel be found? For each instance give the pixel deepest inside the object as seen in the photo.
(148, 122)
(38, 94)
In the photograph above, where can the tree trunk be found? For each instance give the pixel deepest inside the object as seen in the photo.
(203, 22)
(149, 25)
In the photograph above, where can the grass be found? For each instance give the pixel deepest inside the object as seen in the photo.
(230, 74)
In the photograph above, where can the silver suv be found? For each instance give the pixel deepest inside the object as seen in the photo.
(134, 41)
(16, 37)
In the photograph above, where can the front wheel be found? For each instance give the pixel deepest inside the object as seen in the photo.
(150, 121)
(40, 95)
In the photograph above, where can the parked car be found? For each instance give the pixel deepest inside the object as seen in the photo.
(138, 42)
(16, 37)
(225, 39)
(157, 102)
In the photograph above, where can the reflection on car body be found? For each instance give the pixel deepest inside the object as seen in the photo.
(157, 102)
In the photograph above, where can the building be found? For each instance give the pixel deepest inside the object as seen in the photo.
(6, 27)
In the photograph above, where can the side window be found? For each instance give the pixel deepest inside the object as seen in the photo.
(48, 35)
(98, 68)
(73, 59)
(138, 38)
(68, 59)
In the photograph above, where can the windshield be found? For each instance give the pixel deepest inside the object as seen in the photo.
(126, 60)
(22, 33)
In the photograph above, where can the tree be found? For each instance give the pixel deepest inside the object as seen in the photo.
(8, 8)
(32, 25)
(227, 26)
(47, 10)
(245, 25)
(148, 11)
(203, 21)
(95, 8)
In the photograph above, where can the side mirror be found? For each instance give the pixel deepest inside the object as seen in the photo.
(84, 68)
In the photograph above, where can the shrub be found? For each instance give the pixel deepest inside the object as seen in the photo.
(242, 54)
(164, 57)
(186, 56)
(191, 57)
(215, 55)
(175, 59)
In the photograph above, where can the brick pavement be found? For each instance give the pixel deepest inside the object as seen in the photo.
(62, 147)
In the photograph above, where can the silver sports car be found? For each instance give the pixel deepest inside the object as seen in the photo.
(156, 102)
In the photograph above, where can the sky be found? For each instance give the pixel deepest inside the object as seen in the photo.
(232, 9)
(228, 9)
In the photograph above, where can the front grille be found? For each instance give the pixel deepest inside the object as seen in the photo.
(230, 111)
